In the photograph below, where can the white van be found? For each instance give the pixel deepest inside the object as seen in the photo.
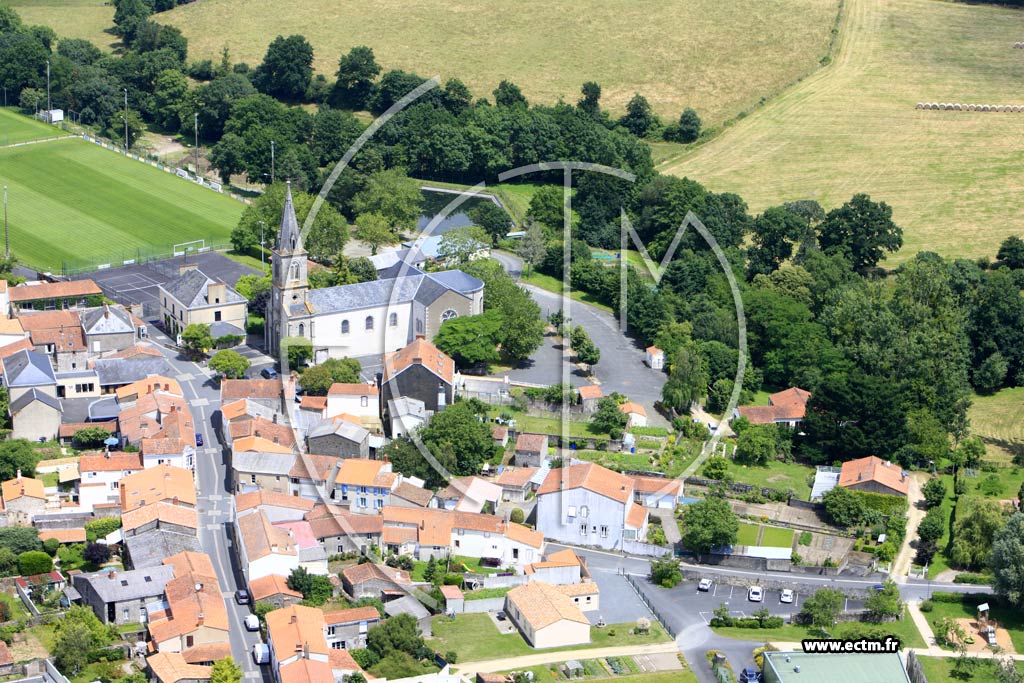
(252, 622)
(261, 653)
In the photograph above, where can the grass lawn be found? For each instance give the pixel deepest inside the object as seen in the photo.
(547, 425)
(17, 128)
(71, 18)
(940, 670)
(75, 202)
(939, 562)
(547, 674)
(1012, 620)
(485, 593)
(952, 178)
(748, 533)
(49, 479)
(475, 638)
(553, 285)
(727, 58)
(777, 537)
(777, 475)
(999, 420)
(15, 607)
(626, 461)
(903, 629)
(471, 565)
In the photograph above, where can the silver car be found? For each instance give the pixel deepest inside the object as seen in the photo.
(786, 596)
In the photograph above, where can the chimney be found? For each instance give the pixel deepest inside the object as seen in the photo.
(112, 574)
(19, 474)
(421, 336)
(216, 293)
(199, 619)
(185, 267)
(106, 311)
(294, 618)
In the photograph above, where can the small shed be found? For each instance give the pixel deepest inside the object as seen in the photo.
(655, 358)
(589, 396)
(573, 669)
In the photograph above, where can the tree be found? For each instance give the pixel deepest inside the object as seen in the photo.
(458, 245)
(458, 432)
(978, 521)
(1007, 562)
(316, 380)
(298, 351)
(687, 130)
(356, 72)
(591, 100)
(20, 539)
(101, 528)
(586, 352)
(716, 467)
(639, 118)
(860, 230)
(31, 100)
(533, 245)
(990, 375)
(934, 492)
(287, 68)
(547, 207)
(524, 328)
(823, 608)
(96, 553)
(719, 396)
(90, 437)
(711, 523)
(34, 562)
(128, 16)
(8, 562)
(517, 516)
(315, 589)
(687, 380)
(71, 648)
(608, 418)
(169, 92)
(774, 233)
(326, 237)
(226, 671)
(16, 455)
(665, 571)
(229, 363)
(397, 634)
(393, 195)
(492, 218)
(472, 340)
(756, 445)
(845, 508)
(253, 287)
(886, 603)
(374, 231)
(1011, 253)
(508, 94)
(931, 527)
(430, 572)
(197, 338)
(115, 127)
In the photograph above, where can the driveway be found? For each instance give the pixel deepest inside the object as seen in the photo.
(915, 513)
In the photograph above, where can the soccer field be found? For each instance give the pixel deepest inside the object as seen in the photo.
(70, 201)
(15, 128)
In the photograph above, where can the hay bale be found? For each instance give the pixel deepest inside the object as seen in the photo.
(956, 107)
(985, 107)
(920, 105)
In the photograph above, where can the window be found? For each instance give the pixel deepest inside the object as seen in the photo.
(362, 627)
(362, 502)
(458, 543)
(583, 529)
(379, 504)
(604, 531)
(302, 330)
(419, 326)
(124, 614)
(572, 511)
(515, 553)
(252, 478)
(369, 322)
(189, 641)
(584, 511)
(330, 630)
(344, 327)
(393, 320)
(449, 314)
(337, 644)
(216, 316)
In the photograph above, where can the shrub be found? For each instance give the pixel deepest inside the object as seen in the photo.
(100, 528)
(50, 545)
(974, 579)
(927, 606)
(517, 516)
(96, 553)
(805, 538)
(34, 562)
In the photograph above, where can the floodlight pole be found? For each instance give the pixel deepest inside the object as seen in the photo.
(49, 107)
(7, 234)
(271, 162)
(263, 268)
(125, 120)
(195, 120)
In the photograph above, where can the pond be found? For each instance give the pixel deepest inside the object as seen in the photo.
(434, 202)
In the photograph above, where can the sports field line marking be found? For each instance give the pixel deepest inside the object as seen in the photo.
(36, 142)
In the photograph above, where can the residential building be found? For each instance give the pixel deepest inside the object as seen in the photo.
(469, 494)
(35, 415)
(270, 429)
(559, 568)
(657, 492)
(163, 483)
(100, 475)
(339, 438)
(111, 328)
(47, 296)
(121, 597)
(408, 604)
(546, 616)
(360, 399)
(113, 372)
(421, 371)
(194, 619)
(500, 435)
(59, 336)
(794, 667)
(635, 413)
(308, 476)
(517, 482)
(589, 505)
(359, 319)
(260, 464)
(785, 407)
(339, 531)
(312, 553)
(273, 589)
(531, 450)
(874, 475)
(371, 580)
(589, 395)
(278, 507)
(405, 416)
(295, 635)
(158, 517)
(363, 485)
(28, 370)
(23, 499)
(11, 330)
(264, 549)
(171, 667)
(406, 494)
(269, 393)
(195, 298)
(346, 629)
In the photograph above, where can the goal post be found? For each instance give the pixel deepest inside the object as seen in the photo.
(184, 248)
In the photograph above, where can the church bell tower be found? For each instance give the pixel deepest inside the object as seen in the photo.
(289, 282)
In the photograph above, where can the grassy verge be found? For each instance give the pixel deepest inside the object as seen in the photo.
(553, 285)
(903, 629)
(548, 673)
(548, 425)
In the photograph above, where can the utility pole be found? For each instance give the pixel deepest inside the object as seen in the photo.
(7, 234)
(125, 120)
(49, 107)
(195, 121)
(263, 269)
(271, 162)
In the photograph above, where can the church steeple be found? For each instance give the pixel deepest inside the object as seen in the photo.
(289, 239)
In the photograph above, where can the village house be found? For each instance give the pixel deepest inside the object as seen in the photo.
(158, 515)
(359, 399)
(469, 494)
(785, 407)
(100, 475)
(546, 616)
(269, 393)
(194, 619)
(264, 549)
(339, 438)
(635, 413)
(312, 553)
(194, 298)
(24, 498)
(589, 395)
(32, 388)
(420, 371)
(278, 507)
(308, 476)
(531, 450)
(500, 435)
(295, 635)
(371, 580)
(874, 475)
(363, 485)
(346, 629)
(340, 531)
(559, 568)
(657, 492)
(408, 495)
(517, 482)
(655, 358)
(260, 464)
(273, 589)
(589, 505)
(406, 416)
(123, 597)
(59, 336)
(48, 296)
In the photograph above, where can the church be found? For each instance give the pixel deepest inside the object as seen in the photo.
(365, 319)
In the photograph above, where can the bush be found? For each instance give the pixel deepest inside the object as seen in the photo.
(96, 553)
(50, 546)
(927, 606)
(973, 579)
(34, 562)
(517, 516)
(100, 528)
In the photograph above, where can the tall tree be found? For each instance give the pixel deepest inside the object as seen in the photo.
(374, 231)
(711, 523)
(639, 118)
(225, 671)
(861, 230)
(508, 94)
(824, 606)
(591, 100)
(393, 195)
(287, 68)
(492, 218)
(687, 380)
(471, 340)
(773, 235)
(356, 73)
(1007, 562)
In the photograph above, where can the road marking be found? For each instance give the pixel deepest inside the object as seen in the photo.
(186, 377)
(199, 402)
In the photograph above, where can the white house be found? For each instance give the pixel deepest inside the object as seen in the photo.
(361, 400)
(546, 616)
(635, 413)
(295, 635)
(406, 415)
(264, 549)
(100, 476)
(657, 492)
(589, 505)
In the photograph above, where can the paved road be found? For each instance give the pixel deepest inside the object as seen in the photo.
(214, 504)
(621, 368)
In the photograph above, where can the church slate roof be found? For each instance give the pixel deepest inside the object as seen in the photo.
(289, 229)
(424, 289)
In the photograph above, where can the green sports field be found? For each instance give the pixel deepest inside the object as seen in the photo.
(73, 201)
(15, 128)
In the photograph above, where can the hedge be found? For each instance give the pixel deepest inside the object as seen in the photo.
(748, 622)
(964, 598)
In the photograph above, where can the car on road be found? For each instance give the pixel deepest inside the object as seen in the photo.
(786, 595)
(252, 622)
(268, 373)
(199, 439)
(755, 594)
(705, 585)
(242, 596)
(261, 653)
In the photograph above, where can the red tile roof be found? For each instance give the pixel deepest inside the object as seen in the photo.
(874, 469)
(109, 462)
(54, 290)
(591, 477)
(420, 352)
(532, 443)
(231, 389)
(590, 391)
(353, 389)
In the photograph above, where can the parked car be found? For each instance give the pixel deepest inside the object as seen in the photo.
(705, 585)
(242, 596)
(252, 622)
(755, 594)
(268, 373)
(199, 439)
(261, 653)
(786, 596)
(750, 675)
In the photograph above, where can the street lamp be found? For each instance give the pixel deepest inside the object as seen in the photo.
(49, 107)
(195, 123)
(263, 269)
(271, 162)
(7, 235)
(125, 120)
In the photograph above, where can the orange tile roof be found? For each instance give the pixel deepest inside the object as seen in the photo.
(13, 489)
(532, 443)
(63, 329)
(435, 525)
(590, 391)
(452, 592)
(109, 462)
(629, 407)
(54, 290)
(207, 652)
(654, 350)
(875, 469)
(399, 535)
(790, 404)
(370, 571)
(515, 477)
(296, 626)
(360, 472)
(144, 418)
(189, 562)
(271, 585)
(758, 415)
(321, 465)
(413, 494)
(574, 589)
(13, 348)
(137, 350)
(163, 512)
(328, 521)
(160, 483)
(542, 605)
(591, 477)
(63, 535)
(68, 429)
(234, 410)
(353, 389)
(316, 403)
(636, 517)
(351, 615)
(265, 429)
(255, 499)
(148, 386)
(261, 538)
(662, 485)
(341, 659)
(258, 444)
(306, 671)
(171, 667)
(499, 432)
(423, 353)
(11, 326)
(231, 389)
(194, 599)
